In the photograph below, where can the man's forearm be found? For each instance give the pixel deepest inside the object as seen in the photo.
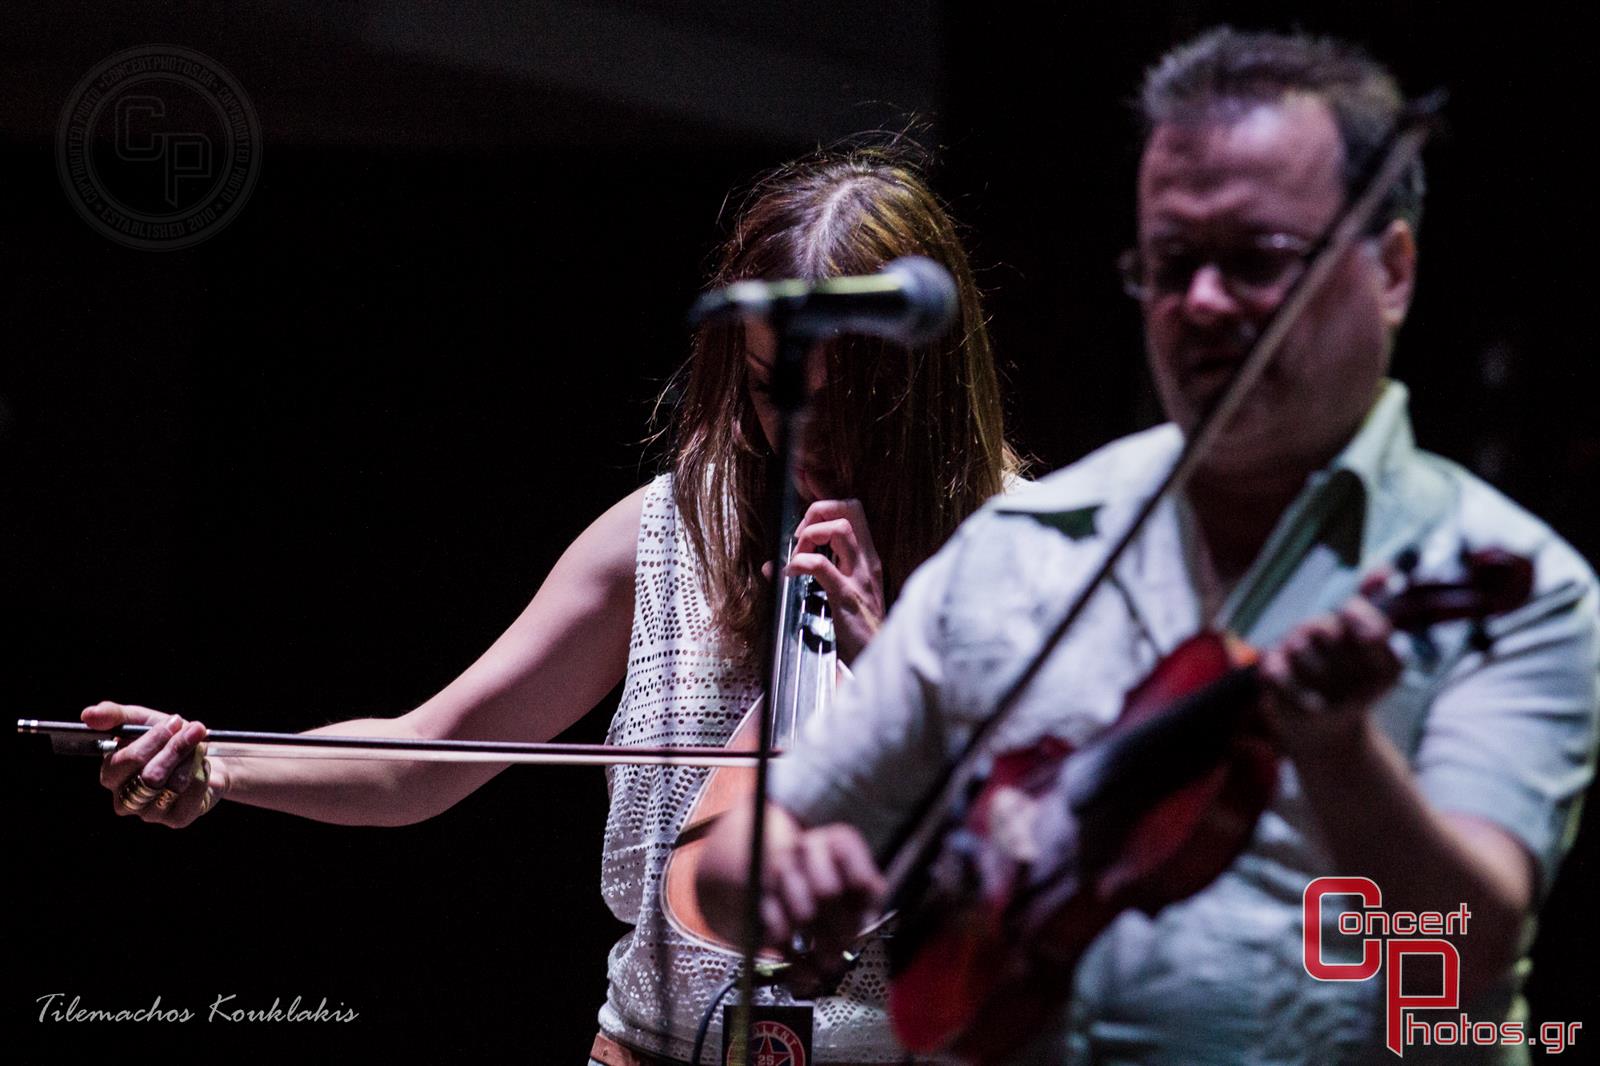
(1378, 824)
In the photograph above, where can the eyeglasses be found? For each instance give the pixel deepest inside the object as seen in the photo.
(1253, 272)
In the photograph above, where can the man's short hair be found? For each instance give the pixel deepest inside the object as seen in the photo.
(1224, 71)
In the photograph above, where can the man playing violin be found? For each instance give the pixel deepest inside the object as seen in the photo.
(1446, 778)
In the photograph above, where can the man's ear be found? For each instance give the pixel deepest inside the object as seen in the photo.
(1397, 263)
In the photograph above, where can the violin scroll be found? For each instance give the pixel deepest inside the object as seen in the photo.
(1494, 581)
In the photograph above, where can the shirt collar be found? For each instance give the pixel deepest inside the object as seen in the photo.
(1378, 455)
(1371, 501)
(1400, 493)
(1383, 446)
(1362, 505)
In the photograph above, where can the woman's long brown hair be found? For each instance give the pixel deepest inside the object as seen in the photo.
(916, 435)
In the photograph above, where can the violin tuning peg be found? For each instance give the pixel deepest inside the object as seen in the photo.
(1408, 560)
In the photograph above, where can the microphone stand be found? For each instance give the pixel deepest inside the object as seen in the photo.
(795, 339)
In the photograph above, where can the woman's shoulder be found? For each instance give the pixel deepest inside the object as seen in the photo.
(608, 550)
(649, 504)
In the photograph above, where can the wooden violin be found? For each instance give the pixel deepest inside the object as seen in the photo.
(1057, 842)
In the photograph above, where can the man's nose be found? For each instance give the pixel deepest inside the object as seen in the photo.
(1207, 298)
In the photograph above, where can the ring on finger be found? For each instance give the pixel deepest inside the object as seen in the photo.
(135, 795)
(165, 799)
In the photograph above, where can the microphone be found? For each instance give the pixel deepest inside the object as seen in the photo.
(911, 301)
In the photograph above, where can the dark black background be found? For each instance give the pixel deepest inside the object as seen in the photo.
(309, 469)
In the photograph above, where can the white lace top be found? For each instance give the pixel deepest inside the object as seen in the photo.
(681, 689)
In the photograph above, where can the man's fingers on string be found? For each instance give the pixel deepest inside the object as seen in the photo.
(773, 921)
(1363, 619)
(817, 855)
(1369, 626)
(1310, 658)
(1376, 583)
(1357, 662)
(1370, 676)
(1285, 688)
(1274, 668)
(1325, 633)
(861, 888)
(793, 891)
(855, 863)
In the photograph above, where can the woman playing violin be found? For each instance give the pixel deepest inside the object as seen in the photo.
(663, 591)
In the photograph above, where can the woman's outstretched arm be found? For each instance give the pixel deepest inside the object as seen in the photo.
(567, 649)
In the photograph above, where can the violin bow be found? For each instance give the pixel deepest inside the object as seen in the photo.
(76, 738)
(1400, 149)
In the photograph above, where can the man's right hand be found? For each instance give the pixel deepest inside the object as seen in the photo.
(170, 756)
(819, 885)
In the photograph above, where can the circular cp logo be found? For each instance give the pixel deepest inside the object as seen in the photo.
(158, 147)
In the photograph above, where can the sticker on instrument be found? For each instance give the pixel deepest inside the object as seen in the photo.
(780, 1036)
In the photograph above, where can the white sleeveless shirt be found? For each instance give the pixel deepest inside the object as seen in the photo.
(683, 689)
